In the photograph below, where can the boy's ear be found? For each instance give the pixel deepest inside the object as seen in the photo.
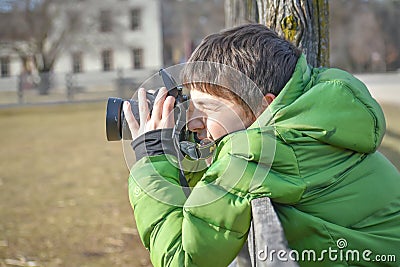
(269, 98)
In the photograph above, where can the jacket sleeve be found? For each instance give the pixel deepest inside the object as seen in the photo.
(210, 227)
(207, 229)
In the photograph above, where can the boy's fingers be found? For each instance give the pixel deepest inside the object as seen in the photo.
(167, 112)
(158, 104)
(132, 123)
(143, 106)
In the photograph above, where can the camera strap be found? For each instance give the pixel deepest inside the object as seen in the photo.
(180, 123)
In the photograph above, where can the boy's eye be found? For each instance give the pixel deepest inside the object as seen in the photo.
(208, 108)
(212, 108)
(207, 105)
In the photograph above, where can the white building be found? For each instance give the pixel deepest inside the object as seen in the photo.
(129, 37)
(115, 36)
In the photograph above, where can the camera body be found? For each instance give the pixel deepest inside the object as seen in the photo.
(116, 125)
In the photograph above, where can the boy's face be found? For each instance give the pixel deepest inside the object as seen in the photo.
(212, 117)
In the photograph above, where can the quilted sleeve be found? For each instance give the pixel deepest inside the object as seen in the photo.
(208, 229)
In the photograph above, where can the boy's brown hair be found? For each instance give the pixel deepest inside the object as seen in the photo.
(254, 50)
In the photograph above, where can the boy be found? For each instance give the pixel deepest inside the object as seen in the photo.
(337, 199)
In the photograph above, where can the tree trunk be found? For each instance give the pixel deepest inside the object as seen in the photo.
(44, 85)
(303, 22)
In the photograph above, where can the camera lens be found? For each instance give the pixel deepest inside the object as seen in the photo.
(113, 119)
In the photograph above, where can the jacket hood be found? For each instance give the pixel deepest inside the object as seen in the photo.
(328, 105)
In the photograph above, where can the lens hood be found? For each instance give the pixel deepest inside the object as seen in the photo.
(113, 119)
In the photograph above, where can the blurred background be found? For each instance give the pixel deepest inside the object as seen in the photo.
(63, 199)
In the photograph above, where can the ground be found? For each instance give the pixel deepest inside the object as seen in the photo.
(63, 187)
(63, 198)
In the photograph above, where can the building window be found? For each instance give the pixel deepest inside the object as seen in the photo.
(105, 21)
(107, 58)
(135, 19)
(77, 62)
(5, 66)
(137, 56)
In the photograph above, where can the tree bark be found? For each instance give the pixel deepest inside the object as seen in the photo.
(303, 22)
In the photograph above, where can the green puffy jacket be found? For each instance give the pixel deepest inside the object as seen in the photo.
(314, 155)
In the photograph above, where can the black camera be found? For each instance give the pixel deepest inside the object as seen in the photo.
(116, 125)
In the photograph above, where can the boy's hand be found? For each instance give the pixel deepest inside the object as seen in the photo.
(161, 116)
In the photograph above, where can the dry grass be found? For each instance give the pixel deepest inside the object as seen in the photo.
(63, 198)
(391, 142)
